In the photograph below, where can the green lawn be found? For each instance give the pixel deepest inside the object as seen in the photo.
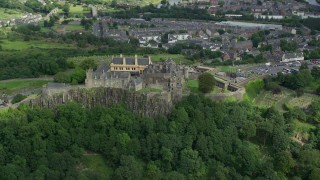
(10, 13)
(148, 90)
(97, 164)
(136, 2)
(12, 87)
(193, 85)
(111, 10)
(178, 58)
(228, 68)
(73, 27)
(22, 45)
(78, 9)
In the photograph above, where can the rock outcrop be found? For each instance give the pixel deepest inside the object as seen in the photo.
(139, 103)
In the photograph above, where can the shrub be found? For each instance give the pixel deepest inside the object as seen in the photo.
(18, 98)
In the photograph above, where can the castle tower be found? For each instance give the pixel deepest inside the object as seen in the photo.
(89, 78)
(186, 72)
(135, 59)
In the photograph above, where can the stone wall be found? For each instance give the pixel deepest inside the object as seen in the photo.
(137, 102)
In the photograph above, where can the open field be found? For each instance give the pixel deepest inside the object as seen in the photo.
(78, 9)
(193, 85)
(11, 87)
(73, 27)
(148, 90)
(95, 163)
(10, 13)
(22, 45)
(178, 58)
(135, 2)
(229, 69)
(110, 10)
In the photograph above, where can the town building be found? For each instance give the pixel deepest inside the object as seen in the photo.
(292, 57)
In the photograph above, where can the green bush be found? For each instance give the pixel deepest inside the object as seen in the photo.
(253, 88)
(18, 98)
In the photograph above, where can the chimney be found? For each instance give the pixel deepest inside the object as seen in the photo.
(135, 59)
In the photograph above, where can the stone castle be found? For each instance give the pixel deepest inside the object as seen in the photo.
(134, 74)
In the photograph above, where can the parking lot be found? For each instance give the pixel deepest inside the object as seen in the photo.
(286, 68)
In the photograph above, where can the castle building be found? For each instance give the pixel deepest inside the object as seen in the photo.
(167, 76)
(129, 64)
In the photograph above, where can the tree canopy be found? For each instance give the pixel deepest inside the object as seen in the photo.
(206, 82)
(200, 139)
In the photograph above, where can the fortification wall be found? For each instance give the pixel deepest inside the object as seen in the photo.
(138, 103)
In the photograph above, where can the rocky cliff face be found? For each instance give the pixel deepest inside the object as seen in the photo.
(138, 103)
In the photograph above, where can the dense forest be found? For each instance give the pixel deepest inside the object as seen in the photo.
(200, 139)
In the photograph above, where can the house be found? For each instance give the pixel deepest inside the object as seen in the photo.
(226, 56)
(173, 38)
(292, 57)
(214, 2)
(243, 45)
(151, 41)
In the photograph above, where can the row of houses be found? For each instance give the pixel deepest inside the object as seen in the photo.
(222, 36)
(25, 19)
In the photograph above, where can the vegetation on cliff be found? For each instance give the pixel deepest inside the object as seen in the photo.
(200, 139)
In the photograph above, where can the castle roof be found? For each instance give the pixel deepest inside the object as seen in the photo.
(117, 60)
(104, 67)
(143, 61)
(115, 74)
(130, 61)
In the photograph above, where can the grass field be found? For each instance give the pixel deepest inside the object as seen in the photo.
(110, 10)
(73, 27)
(178, 58)
(78, 9)
(96, 164)
(193, 85)
(22, 45)
(15, 86)
(148, 90)
(10, 13)
(228, 69)
(136, 2)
